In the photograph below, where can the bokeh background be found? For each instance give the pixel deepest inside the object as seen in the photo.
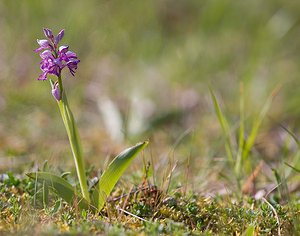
(144, 74)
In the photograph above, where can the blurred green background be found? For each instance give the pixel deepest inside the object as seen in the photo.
(144, 73)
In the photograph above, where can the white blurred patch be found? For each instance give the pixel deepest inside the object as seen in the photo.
(280, 23)
(140, 111)
(260, 194)
(112, 118)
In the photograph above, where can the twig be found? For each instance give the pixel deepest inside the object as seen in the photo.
(275, 213)
(35, 188)
(134, 216)
(76, 205)
(125, 202)
(108, 214)
(272, 189)
(251, 179)
(187, 168)
(170, 174)
(153, 167)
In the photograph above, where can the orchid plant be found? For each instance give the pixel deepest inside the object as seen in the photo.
(54, 59)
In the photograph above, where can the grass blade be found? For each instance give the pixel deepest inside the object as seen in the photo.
(257, 123)
(279, 182)
(293, 135)
(225, 127)
(115, 170)
(238, 164)
(295, 169)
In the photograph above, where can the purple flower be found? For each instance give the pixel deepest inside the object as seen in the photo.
(48, 33)
(65, 54)
(46, 54)
(50, 65)
(63, 49)
(53, 60)
(56, 92)
(72, 65)
(44, 44)
(59, 37)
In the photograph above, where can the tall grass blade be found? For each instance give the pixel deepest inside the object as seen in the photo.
(295, 138)
(115, 170)
(224, 126)
(238, 164)
(279, 182)
(257, 123)
(296, 158)
(295, 169)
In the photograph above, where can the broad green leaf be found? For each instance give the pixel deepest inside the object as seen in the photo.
(65, 174)
(45, 166)
(61, 186)
(249, 231)
(57, 184)
(114, 172)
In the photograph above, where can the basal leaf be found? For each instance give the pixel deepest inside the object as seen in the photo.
(249, 231)
(114, 172)
(61, 186)
(57, 184)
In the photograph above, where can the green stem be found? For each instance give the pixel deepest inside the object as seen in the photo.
(74, 139)
(61, 89)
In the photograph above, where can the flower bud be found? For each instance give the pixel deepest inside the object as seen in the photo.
(56, 92)
(59, 37)
(48, 33)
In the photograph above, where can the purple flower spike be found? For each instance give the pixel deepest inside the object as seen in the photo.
(48, 33)
(54, 59)
(56, 92)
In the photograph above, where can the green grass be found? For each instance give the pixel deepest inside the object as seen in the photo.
(149, 65)
(148, 210)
